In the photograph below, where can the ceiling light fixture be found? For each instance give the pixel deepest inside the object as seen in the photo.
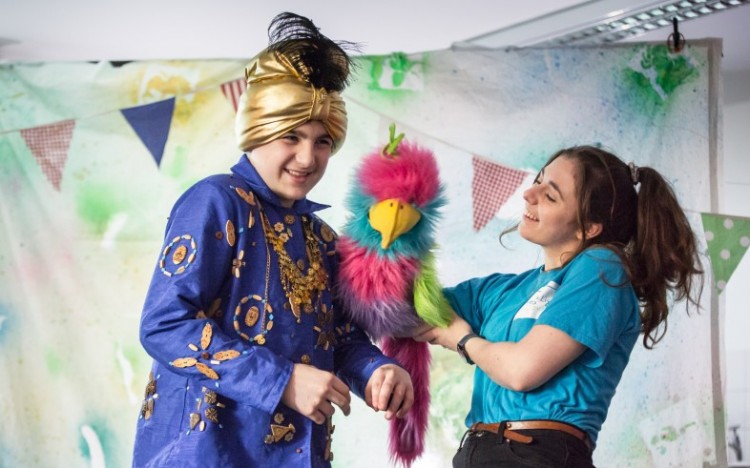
(599, 22)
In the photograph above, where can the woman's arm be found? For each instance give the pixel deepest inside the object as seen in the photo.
(521, 366)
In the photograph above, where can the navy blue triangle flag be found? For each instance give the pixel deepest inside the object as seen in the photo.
(151, 122)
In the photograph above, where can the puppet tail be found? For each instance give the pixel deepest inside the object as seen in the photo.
(407, 435)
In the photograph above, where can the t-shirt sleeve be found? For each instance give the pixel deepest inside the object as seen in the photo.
(473, 298)
(595, 304)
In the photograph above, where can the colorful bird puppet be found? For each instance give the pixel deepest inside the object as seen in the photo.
(387, 280)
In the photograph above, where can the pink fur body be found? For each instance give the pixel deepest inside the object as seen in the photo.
(407, 435)
(374, 289)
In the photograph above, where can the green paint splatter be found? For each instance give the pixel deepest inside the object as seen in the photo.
(178, 168)
(657, 76)
(400, 66)
(96, 203)
(671, 71)
(54, 362)
(669, 434)
(105, 436)
(376, 71)
(177, 165)
(5, 162)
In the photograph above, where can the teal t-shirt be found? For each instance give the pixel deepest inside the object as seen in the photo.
(590, 299)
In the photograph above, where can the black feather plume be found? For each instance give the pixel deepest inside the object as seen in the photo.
(322, 61)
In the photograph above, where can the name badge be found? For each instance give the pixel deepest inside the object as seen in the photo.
(538, 302)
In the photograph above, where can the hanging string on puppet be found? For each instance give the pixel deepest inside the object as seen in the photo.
(391, 149)
(675, 41)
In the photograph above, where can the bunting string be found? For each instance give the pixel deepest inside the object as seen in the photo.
(727, 237)
(235, 85)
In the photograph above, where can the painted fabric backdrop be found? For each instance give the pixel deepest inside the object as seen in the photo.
(92, 157)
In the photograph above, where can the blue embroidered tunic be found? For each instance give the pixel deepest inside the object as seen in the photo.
(224, 336)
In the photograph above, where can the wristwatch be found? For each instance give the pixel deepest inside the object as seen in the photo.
(461, 347)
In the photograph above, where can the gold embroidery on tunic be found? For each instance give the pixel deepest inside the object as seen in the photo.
(237, 263)
(231, 235)
(249, 197)
(301, 287)
(147, 408)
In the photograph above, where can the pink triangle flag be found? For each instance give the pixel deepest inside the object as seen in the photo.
(233, 90)
(49, 144)
(491, 186)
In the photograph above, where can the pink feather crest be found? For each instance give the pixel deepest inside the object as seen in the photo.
(407, 435)
(411, 175)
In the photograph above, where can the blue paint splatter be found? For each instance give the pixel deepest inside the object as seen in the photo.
(6, 322)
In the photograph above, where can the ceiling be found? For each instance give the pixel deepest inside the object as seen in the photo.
(53, 30)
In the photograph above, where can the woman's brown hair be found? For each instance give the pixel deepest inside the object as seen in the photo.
(642, 222)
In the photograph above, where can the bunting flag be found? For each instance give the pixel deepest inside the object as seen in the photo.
(233, 90)
(49, 144)
(151, 123)
(728, 238)
(491, 186)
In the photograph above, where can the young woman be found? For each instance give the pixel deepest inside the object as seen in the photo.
(551, 344)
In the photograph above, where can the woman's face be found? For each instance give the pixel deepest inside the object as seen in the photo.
(551, 216)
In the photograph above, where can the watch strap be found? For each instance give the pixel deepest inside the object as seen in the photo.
(461, 347)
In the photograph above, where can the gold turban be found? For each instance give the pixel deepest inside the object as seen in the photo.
(280, 98)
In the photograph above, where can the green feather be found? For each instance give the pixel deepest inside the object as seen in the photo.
(429, 301)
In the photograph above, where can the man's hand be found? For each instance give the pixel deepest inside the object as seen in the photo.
(313, 392)
(390, 389)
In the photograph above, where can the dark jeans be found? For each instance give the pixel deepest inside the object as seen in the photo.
(549, 449)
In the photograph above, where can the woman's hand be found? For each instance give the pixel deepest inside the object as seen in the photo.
(446, 337)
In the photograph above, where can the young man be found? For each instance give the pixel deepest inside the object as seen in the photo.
(250, 352)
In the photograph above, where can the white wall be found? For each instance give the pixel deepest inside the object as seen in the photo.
(735, 200)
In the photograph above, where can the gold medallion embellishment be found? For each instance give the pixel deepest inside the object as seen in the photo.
(326, 233)
(259, 310)
(183, 250)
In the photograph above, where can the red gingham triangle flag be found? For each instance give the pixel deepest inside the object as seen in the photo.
(49, 144)
(491, 186)
(233, 90)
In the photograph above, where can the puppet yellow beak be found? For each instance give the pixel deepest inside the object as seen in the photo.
(391, 218)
